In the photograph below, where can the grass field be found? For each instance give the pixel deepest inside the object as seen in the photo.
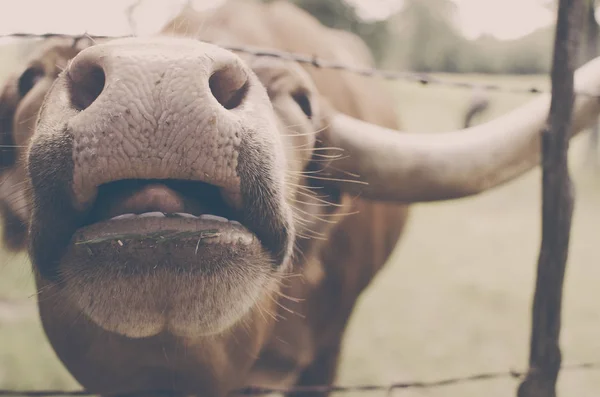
(454, 299)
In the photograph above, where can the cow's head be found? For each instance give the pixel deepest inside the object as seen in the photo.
(162, 174)
(165, 180)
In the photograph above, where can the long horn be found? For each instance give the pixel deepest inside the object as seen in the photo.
(412, 167)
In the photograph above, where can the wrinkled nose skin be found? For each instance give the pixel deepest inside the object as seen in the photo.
(160, 108)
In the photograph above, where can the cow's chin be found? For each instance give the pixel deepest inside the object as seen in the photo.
(143, 276)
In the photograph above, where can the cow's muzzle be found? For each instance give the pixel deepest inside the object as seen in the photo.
(156, 157)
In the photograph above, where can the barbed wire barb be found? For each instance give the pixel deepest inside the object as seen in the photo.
(415, 77)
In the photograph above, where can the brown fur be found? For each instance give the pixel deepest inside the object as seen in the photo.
(312, 304)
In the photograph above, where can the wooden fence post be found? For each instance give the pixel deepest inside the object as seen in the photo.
(557, 208)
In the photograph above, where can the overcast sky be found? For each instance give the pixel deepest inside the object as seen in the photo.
(505, 19)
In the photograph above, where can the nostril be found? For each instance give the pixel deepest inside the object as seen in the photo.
(86, 84)
(229, 86)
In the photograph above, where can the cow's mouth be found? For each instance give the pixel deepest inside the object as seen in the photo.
(162, 210)
(165, 255)
(169, 197)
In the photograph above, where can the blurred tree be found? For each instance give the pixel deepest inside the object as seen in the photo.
(340, 15)
(528, 55)
(432, 42)
(424, 37)
(427, 37)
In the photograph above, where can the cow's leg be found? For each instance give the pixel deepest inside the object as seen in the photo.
(351, 261)
(321, 372)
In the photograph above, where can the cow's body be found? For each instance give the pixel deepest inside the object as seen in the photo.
(192, 226)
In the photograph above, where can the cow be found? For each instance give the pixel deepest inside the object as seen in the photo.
(201, 220)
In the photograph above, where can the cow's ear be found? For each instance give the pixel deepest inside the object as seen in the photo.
(9, 99)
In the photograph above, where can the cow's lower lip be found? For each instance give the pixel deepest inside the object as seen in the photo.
(140, 276)
(171, 228)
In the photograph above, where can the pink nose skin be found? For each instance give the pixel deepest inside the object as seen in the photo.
(168, 109)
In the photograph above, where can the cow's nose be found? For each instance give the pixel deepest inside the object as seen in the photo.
(160, 108)
(227, 82)
(87, 81)
(228, 86)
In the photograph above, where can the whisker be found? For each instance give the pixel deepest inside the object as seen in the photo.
(319, 199)
(335, 215)
(328, 156)
(296, 300)
(287, 126)
(304, 145)
(258, 306)
(322, 178)
(322, 149)
(302, 186)
(269, 313)
(301, 134)
(309, 193)
(313, 204)
(302, 236)
(292, 172)
(90, 38)
(300, 220)
(316, 216)
(308, 232)
(286, 308)
(307, 229)
(310, 237)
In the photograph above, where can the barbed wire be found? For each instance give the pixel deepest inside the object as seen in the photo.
(415, 77)
(389, 388)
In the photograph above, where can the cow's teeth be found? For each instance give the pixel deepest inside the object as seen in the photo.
(183, 215)
(210, 217)
(151, 214)
(123, 216)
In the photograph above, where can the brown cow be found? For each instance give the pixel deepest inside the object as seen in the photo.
(192, 227)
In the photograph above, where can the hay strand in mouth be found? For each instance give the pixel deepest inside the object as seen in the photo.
(162, 236)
